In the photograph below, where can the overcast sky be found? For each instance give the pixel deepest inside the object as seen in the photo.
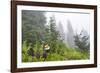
(79, 21)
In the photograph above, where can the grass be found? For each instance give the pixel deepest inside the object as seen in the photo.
(62, 53)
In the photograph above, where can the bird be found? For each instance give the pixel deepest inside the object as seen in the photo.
(45, 55)
(38, 54)
(46, 48)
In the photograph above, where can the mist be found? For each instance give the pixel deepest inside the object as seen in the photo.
(70, 24)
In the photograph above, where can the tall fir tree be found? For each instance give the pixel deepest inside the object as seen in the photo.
(82, 41)
(33, 26)
(70, 35)
(53, 33)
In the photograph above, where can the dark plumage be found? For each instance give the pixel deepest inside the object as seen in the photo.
(31, 52)
(38, 54)
(45, 54)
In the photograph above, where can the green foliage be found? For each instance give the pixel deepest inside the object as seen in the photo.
(54, 34)
(24, 52)
(62, 53)
(82, 41)
(74, 54)
(33, 27)
(54, 57)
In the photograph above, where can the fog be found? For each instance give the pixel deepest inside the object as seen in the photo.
(70, 23)
(78, 21)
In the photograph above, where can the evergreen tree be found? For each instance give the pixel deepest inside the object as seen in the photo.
(70, 35)
(82, 41)
(61, 31)
(53, 34)
(33, 26)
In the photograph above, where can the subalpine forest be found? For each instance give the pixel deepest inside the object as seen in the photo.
(44, 40)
